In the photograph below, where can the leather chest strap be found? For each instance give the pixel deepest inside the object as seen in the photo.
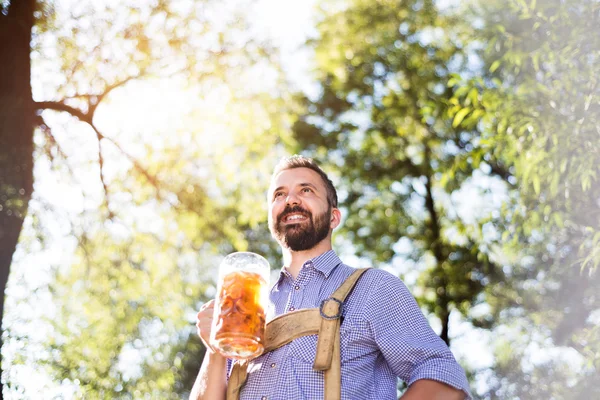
(328, 357)
(279, 331)
(331, 311)
(324, 321)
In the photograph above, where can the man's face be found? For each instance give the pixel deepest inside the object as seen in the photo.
(299, 215)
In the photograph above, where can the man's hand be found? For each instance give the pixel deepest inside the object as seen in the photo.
(204, 323)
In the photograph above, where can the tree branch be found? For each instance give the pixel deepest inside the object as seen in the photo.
(151, 178)
(92, 106)
(496, 167)
(61, 106)
(500, 171)
(46, 130)
(442, 299)
(79, 63)
(87, 117)
(101, 165)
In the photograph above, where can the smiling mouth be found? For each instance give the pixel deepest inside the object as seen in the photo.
(294, 218)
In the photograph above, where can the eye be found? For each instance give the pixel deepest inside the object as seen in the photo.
(277, 195)
(306, 190)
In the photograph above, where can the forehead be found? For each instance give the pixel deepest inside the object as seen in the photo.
(296, 176)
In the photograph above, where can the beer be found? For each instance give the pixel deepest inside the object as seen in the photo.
(239, 316)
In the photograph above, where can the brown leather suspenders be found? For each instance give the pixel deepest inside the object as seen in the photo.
(323, 321)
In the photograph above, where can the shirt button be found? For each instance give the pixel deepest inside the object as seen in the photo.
(292, 308)
(263, 398)
(297, 287)
(273, 365)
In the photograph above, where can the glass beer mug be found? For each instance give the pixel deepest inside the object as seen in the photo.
(238, 325)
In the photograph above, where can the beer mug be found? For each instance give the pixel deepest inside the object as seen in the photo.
(238, 326)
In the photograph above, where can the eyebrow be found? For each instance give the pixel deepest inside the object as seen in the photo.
(309, 185)
(304, 184)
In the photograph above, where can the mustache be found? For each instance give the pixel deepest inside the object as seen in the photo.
(292, 210)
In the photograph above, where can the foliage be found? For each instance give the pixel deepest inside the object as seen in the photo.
(117, 337)
(419, 113)
(149, 209)
(383, 120)
(541, 107)
(139, 277)
(464, 143)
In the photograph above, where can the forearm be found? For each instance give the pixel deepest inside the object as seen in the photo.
(426, 389)
(211, 383)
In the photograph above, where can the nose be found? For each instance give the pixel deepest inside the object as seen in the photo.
(292, 199)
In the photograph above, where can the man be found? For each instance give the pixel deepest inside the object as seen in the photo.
(384, 336)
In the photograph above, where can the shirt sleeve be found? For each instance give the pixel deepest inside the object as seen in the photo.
(408, 344)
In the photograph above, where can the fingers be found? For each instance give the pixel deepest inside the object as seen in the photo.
(205, 314)
(204, 322)
(208, 305)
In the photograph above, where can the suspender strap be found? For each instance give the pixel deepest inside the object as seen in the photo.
(328, 356)
(283, 329)
(331, 311)
(324, 321)
(279, 331)
(237, 378)
(333, 376)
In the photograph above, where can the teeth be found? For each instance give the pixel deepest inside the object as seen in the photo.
(295, 217)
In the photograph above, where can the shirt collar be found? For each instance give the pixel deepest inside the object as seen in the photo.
(324, 263)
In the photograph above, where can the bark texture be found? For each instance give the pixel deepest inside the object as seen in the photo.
(17, 120)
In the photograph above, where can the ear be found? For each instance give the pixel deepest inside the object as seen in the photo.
(336, 218)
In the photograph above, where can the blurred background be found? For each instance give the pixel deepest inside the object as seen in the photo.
(137, 140)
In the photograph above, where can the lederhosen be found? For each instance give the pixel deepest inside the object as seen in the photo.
(324, 322)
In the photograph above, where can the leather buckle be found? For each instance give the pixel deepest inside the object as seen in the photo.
(336, 316)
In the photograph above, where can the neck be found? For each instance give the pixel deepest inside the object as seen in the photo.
(294, 260)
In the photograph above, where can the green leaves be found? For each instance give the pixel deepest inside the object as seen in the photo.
(404, 152)
(515, 128)
(156, 204)
(535, 110)
(494, 66)
(460, 115)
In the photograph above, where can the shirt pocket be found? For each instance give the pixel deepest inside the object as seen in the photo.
(304, 382)
(304, 348)
(355, 340)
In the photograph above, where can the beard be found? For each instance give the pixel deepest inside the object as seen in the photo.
(304, 235)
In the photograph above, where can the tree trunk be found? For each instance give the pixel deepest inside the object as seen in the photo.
(442, 298)
(17, 116)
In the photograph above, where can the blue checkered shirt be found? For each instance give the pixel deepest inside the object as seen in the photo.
(384, 336)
